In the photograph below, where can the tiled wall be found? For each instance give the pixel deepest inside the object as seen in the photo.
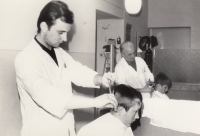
(181, 65)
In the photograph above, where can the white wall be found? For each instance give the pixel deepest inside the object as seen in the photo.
(113, 31)
(10, 115)
(85, 22)
(18, 22)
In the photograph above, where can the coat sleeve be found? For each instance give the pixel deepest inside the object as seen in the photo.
(40, 89)
(80, 74)
(147, 72)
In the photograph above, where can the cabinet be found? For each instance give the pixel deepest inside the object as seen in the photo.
(110, 58)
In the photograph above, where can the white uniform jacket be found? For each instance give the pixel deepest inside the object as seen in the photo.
(45, 89)
(127, 75)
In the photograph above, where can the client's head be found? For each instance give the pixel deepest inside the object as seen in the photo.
(163, 83)
(129, 103)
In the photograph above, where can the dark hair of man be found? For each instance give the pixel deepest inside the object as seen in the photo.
(163, 79)
(52, 11)
(125, 95)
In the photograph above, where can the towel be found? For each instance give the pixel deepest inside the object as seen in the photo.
(155, 95)
(158, 95)
(178, 115)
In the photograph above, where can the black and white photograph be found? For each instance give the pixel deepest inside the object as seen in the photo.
(99, 68)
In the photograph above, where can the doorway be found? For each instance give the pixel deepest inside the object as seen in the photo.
(108, 27)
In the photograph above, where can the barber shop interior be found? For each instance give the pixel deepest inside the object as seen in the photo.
(144, 54)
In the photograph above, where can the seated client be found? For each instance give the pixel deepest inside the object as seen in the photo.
(162, 85)
(117, 123)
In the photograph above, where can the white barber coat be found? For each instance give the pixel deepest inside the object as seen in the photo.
(106, 125)
(125, 74)
(45, 89)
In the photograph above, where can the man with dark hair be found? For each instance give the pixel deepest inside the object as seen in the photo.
(45, 72)
(132, 70)
(117, 123)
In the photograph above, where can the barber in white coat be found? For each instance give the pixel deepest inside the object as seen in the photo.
(131, 70)
(44, 73)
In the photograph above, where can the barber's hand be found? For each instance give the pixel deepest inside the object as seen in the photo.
(108, 78)
(106, 100)
(147, 89)
(150, 83)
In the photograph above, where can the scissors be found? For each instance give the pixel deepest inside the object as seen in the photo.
(110, 91)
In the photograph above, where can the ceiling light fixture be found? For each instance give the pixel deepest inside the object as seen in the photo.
(133, 6)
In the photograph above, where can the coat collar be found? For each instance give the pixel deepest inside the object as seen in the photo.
(38, 52)
(36, 49)
(124, 62)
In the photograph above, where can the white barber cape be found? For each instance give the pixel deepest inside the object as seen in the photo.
(106, 125)
(155, 95)
(178, 115)
(125, 74)
(158, 95)
(45, 89)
